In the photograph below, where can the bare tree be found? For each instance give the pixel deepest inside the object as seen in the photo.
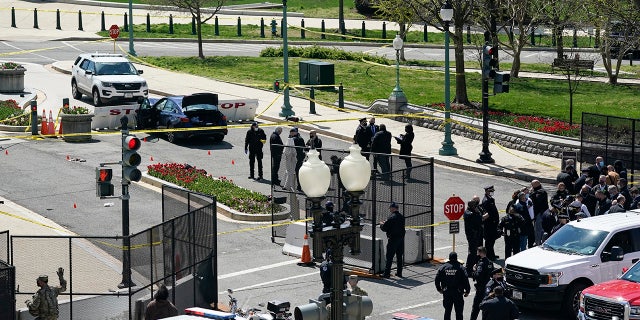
(201, 11)
(396, 11)
(573, 72)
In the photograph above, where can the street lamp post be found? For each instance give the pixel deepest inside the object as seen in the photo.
(446, 13)
(397, 97)
(286, 111)
(315, 177)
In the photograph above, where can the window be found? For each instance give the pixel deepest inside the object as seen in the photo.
(621, 239)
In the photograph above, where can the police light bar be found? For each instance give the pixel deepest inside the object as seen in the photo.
(208, 313)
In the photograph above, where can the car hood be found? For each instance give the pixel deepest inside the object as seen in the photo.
(122, 78)
(617, 290)
(545, 260)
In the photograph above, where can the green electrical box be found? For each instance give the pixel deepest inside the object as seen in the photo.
(316, 73)
(304, 71)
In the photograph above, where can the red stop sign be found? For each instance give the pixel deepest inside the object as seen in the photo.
(454, 208)
(114, 31)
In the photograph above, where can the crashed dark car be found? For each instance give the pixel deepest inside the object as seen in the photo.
(197, 112)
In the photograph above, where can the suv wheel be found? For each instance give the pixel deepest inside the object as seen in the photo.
(74, 90)
(96, 98)
(572, 299)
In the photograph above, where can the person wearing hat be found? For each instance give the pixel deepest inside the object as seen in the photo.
(481, 274)
(394, 227)
(277, 149)
(160, 307)
(499, 307)
(497, 280)
(355, 289)
(44, 304)
(452, 282)
(511, 225)
(473, 231)
(253, 142)
(363, 137)
(314, 142)
(328, 214)
(490, 221)
(563, 219)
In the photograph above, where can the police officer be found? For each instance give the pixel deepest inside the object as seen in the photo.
(328, 216)
(325, 273)
(497, 280)
(363, 137)
(277, 148)
(452, 282)
(563, 219)
(44, 305)
(481, 274)
(473, 230)
(394, 227)
(253, 142)
(499, 307)
(490, 219)
(511, 226)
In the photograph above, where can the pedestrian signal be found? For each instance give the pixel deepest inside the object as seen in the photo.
(104, 187)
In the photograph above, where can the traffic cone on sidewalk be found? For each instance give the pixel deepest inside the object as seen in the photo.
(305, 259)
(51, 124)
(44, 125)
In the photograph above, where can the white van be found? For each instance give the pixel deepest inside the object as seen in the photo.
(553, 275)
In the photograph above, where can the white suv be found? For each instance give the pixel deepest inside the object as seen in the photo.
(106, 77)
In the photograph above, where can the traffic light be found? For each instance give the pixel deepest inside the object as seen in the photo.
(355, 308)
(104, 187)
(501, 82)
(276, 85)
(489, 63)
(130, 158)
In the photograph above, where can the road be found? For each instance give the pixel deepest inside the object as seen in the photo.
(37, 175)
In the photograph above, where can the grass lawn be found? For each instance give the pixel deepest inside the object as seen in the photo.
(364, 83)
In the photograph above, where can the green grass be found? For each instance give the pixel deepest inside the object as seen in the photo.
(364, 83)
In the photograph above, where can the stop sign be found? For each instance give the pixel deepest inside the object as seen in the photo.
(114, 31)
(454, 208)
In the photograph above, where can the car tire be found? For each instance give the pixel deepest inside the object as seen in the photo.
(218, 139)
(171, 136)
(571, 301)
(74, 90)
(97, 101)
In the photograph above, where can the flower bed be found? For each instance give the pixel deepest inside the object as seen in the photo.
(11, 114)
(225, 191)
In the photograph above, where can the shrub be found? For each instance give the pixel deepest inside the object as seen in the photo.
(12, 115)
(317, 52)
(225, 191)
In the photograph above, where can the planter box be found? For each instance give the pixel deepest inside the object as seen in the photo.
(12, 80)
(73, 125)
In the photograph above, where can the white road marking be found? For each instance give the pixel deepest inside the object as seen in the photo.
(315, 273)
(239, 273)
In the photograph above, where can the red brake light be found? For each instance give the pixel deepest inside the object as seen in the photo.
(224, 118)
(185, 120)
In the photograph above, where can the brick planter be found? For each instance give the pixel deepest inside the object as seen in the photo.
(12, 80)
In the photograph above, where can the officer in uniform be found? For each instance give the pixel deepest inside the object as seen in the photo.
(490, 219)
(563, 219)
(452, 282)
(327, 215)
(497, 280)
(511, 226)
(253, 142)
(481, 274)
(325, 272)
(499, 307)
(473, 230)
(44, 305)
(394, 227)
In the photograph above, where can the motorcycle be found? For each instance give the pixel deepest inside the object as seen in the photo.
(276, 310)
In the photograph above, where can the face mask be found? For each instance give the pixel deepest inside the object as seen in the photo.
(255, 129)
(500, 278)
(491, 193)
(601, 163)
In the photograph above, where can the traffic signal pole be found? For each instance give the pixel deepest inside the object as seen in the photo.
(126, 242)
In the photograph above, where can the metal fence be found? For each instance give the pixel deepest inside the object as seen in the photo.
(184, 245)
(7, 294)
(613, 138)
(411, 189)
(4, 246)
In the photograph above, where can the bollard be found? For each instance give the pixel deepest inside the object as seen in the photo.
(80, 20)
(34, 118)
(216, 27)
(281, 26)
(340, 97)
(35, 18)
(425, 34)
(469, 34)
(103, 26)
(533, 37)
(126, 23)
(13, 17)
(261, 27)
(239, 28)
(302, 29)
(384, 30)
(170, 23)
(148, 22)
(193, 25)
(364, 32)
(322, 36)
(312, 101)
(58, 20)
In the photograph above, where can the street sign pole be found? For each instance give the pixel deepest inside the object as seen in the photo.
(454, 209)
(114, 33)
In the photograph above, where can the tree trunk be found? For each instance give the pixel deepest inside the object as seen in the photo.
(515, 67)
(461, 79)
(199, 32)
(559, 42)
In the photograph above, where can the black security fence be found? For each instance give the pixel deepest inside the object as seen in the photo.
(181, 249)
(4, 246)
(614, 138)
(411, 189)
(7, 294)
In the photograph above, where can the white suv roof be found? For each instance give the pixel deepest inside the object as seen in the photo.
(610, 222)
(104, 57)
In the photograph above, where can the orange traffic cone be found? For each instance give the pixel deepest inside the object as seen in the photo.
(51, 124)
(305, 259)
(44, 125)
(59, 128)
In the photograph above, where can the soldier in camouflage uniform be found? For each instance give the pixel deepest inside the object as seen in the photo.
(353, 282)
(45, 302)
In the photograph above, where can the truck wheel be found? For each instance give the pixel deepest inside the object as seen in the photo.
(572, 299)
(74, 90)
(96, 98)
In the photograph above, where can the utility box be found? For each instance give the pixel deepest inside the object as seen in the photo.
(316, 73)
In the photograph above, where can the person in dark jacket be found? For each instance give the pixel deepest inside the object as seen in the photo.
(452, 282)
(499, 307)
(473, 230)
(481, 274)
(298, 142)
(405, 140)
(314, 142)
(253, 143)
(511, 226)
(490, 219)
(363, 138)
(381, 144)
(276, 148)
(540, 204)
(394, 227)
(160, 307)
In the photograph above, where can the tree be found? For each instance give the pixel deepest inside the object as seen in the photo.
(201, 11)
(571, 69)
(559, 15)
(394, 10)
